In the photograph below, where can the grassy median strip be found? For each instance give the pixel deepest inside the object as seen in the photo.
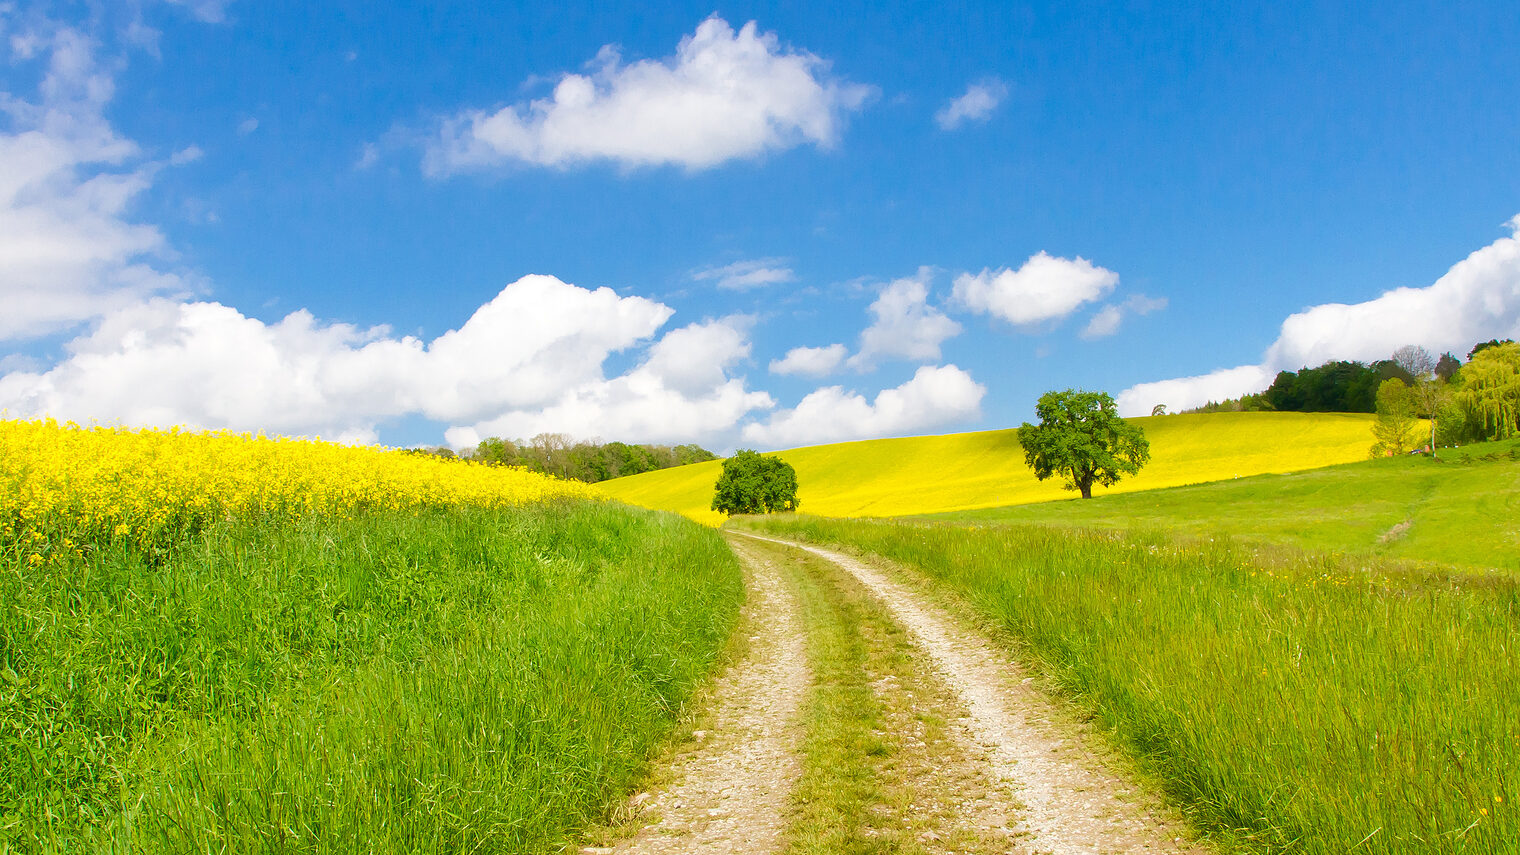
(1295, 702)
(876, 750)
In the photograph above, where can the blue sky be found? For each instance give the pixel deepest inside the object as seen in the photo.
(744, 225)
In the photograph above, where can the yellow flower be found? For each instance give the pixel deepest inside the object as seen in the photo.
(89, 484)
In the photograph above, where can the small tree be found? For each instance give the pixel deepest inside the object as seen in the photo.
(1081, 437)
(754, 483)
(1394, 428)
(1429, 391)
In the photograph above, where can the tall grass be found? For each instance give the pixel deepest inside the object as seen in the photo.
(435, 680)
(1291, 702)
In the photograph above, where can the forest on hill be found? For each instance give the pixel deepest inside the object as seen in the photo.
(558, 455)
(1469, 396)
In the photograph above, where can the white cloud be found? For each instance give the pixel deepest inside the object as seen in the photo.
(188, 154)
(810, 361)
(535, 339)
(1105, 322)
(680, 393)
(1187, 392)
(68, 250)
(723, 96)
(1477, 299)
(904, 325)
(978, 102)
(530, 360)
(247, 126)
(1044, 288)
(744, 275)
(208, 11)
(936, 395)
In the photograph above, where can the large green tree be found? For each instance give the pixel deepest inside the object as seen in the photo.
(1491, 391)
(755, 483)
(1081, 438)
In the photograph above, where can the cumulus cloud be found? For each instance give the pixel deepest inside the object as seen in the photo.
(1185, 392)
(69, 251)
(1105, 322)
(935, 396)
(978, 102)
(904, 325)
(723, 96)
(530, 360)
(744, 275)
(1477, 299)
(680, 393)
(810, 361)
(1044, 288)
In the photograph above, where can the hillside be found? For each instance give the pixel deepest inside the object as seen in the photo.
(930, 474)
(1462, 511)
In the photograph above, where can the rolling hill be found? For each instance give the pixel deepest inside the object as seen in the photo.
(931, 474)
(1464, 510)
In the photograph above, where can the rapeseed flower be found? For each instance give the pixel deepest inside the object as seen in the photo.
(65, 487)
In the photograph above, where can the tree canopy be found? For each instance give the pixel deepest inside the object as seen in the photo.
(1490, 392)
(557, 454)
(1081, 438)
(1334, 387)
(1395, 425)
(755, 483)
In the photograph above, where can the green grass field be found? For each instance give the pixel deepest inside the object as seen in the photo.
(446, 680)
(919, 475)
(1465, 510)
(1288, 701)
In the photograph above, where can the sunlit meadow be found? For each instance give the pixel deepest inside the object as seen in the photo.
(215, 642)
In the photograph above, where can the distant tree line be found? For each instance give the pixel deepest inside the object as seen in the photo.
(1475, 401)
(1334, 387)
(558, 455)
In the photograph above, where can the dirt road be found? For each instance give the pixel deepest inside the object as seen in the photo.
(1009, 770)
(729, 791)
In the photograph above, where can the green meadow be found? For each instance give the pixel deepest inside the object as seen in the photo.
(1286, 700)
(1462, 510)
(438, 680)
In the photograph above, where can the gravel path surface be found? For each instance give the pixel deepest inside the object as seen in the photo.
(1063, 798)
(729, 792)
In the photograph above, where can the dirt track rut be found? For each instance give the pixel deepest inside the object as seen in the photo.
(729, 791)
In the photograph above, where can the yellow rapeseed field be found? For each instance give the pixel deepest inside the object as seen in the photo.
(62, 486)
(929, 474)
